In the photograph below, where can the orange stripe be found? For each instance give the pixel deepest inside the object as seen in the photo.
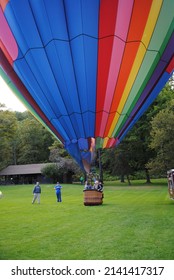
(3, 4)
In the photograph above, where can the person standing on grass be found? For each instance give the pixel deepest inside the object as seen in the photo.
(36, 193)
(58, 192)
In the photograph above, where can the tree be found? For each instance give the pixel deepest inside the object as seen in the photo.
(23, 115)
(162, 140)
(62, 170)
(63, 167)
(57, 151)
(139, 141)
(118, 161)
(33, 142)
(8, 126)
(51, 171)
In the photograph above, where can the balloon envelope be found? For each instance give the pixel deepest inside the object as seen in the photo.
(87, 69)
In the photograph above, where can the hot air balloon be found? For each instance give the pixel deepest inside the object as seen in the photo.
(87, 69)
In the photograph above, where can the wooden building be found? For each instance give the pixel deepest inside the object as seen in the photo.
(23, 174)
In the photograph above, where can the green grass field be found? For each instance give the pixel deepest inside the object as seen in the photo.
(135, 222)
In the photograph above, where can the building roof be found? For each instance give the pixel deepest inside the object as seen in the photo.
(23, 169)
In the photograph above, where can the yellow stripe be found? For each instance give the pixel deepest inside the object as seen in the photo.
(105, 142)
(148, 31)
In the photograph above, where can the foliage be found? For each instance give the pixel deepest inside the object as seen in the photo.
(51, 171)
(130, 156)
(62, 170)
(33, 142)
(118, 160)
(57, 150)
(162, 140)
(23, 115)
(23, 139)
(134, 223)
(67, 169)
(8, 126)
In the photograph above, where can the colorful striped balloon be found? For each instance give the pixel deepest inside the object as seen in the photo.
(87, 69)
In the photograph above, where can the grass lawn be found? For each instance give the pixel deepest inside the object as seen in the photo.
(135, 222)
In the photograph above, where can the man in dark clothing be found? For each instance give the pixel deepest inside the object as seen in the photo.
(36, 193)
(100, 186)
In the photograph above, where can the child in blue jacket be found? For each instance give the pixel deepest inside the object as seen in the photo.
(58, 192)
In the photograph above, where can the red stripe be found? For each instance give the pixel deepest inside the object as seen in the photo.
(170, 67)
(107, 20)
(111, 142)
(3, 48)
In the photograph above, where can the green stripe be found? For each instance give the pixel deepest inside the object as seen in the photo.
(99, 142)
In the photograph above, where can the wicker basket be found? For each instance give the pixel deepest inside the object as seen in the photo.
(93, 197)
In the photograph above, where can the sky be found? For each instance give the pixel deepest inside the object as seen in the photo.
(8, 98)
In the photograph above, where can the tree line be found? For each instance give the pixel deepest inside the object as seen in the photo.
(146, 151)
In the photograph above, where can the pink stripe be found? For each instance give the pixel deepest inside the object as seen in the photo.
(7, 37)
(121, 31)
(123, 18)
(117, 53)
